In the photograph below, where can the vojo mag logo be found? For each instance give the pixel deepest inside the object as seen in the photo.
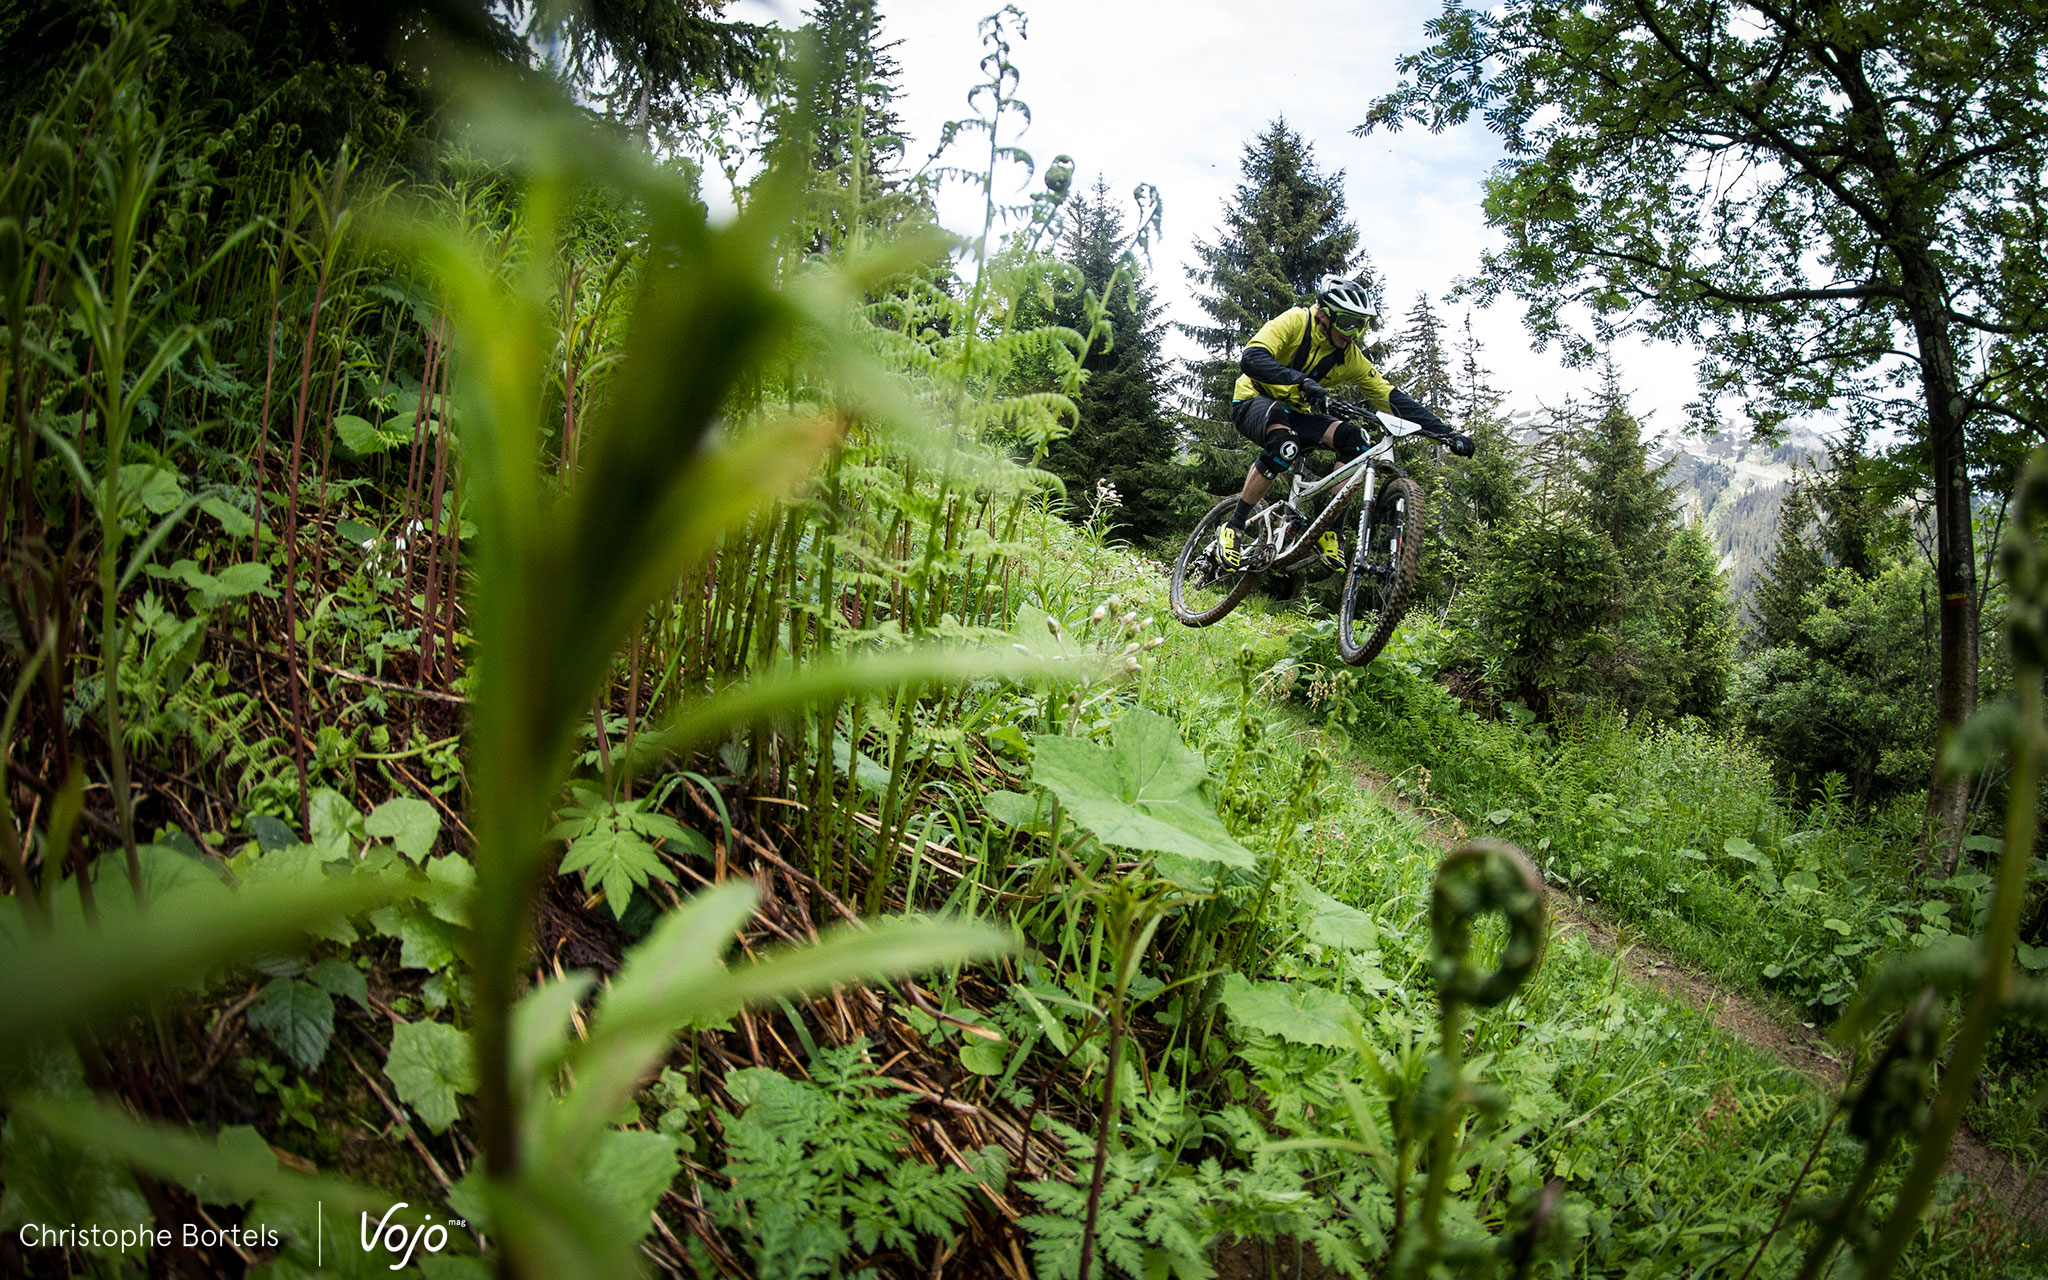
(393, 1238)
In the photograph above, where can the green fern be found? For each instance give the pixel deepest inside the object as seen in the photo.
(1153, 1218)
(818, 1169)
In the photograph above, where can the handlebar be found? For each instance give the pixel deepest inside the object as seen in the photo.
(1460, 444)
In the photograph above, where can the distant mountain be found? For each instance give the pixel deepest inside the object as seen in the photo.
(1732, 484)
(1736, 486)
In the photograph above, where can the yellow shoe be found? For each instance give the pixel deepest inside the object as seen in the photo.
(1228, 549)
(1333, 555)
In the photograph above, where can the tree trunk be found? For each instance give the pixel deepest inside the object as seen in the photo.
(1955, 562)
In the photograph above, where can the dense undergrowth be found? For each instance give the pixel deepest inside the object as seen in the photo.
(474, 635)
(1298, 704)
(1682, 834)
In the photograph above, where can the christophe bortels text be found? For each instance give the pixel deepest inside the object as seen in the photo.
(144, 1236)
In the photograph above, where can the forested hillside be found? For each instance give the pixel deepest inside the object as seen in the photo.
(590, 691)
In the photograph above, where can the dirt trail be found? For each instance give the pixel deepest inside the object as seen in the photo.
(1797, 1046)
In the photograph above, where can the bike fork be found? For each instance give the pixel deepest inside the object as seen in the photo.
(1360, 548)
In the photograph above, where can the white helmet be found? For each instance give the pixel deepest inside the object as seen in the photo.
(1348, 304)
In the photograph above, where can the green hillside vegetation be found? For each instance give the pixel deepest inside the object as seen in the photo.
(551, 734)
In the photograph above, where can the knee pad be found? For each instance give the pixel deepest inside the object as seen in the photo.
(1350, 441)
(1280, 454)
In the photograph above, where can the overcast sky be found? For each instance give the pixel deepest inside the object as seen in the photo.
(1170, 93)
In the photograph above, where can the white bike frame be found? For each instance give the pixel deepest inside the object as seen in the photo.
(1363, 467)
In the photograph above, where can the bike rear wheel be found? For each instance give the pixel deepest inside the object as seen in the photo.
(1204, 590)
(1381, 577)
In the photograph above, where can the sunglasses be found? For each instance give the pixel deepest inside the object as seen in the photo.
(1351, 326)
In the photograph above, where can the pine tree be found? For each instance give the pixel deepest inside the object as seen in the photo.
(1468, 497)
(1622, 494)
(1420, 364)
(1286, 226)
(1124, 438)
(1490, 485)
(1861, 523)
(1702, 616)
(1781, 599)
(1592, 594)
(848, 133)
(1839, 670)
(1538, 618)
(1626, 498)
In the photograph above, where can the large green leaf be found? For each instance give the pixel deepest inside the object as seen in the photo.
(151, 485)
(1015, 809)
(234, 521)
(1143, 792)
(364, 440)
(429, 1065)
(1331, 923)
(231, 583)
(426, 941)
(341, 978)
(409, 823)
(1298, 1011)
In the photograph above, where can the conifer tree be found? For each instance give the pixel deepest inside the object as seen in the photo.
(1286, 226)
(1858, 502)
(1123, 438)
(1538, 617)
(1622, 494)
(1419, 363)
(1839, 632)
(856, 142)
(1489, 486)
(1468, 497)
(1627, 498)
(1702, 618)
(1780, 600)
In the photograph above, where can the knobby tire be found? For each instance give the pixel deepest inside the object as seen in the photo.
(1381, 577)
(1194, 560)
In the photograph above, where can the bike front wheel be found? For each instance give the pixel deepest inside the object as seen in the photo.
(1204, 589)
(1381, 577)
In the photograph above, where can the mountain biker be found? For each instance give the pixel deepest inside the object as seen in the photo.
(1280, 398)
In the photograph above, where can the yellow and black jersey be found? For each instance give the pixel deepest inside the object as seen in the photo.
(1290, 348)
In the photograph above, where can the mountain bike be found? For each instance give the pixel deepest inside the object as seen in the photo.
(1382, 548)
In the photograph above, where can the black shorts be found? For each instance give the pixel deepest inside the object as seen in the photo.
(1255, 416)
